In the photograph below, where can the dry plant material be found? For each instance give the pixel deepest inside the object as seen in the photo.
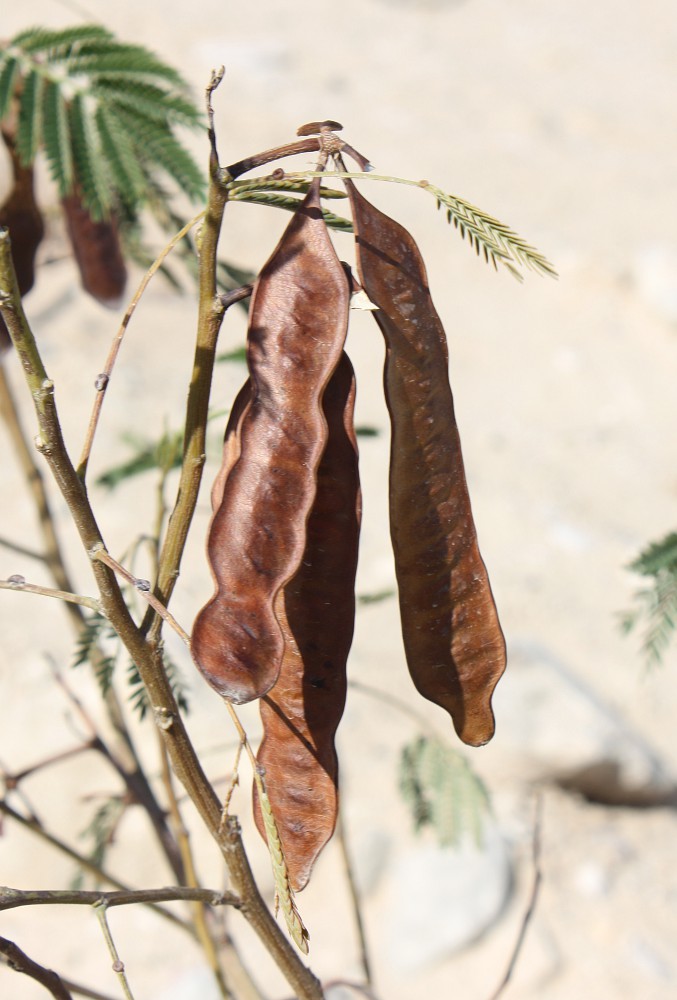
(21, 215)
(97, 251)
(453, 641)
(297, 326)
(301, 713)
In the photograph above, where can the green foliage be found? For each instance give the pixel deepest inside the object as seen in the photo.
(656, 604)
(164, 455)
(442, 791)
(104, 111)
(139, 696)
(91, 647)
(487, 235)
(100, 831)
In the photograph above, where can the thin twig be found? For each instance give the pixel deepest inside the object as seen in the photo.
(118, 965)
(11, 780)
(103, 379)
(82, 861)
(18, 583)
(19, 961)
(143, 587)
(202, 929)
(12, 898)
(355, 899)
(533, 897)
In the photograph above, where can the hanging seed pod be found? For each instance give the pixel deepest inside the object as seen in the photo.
(97, 251)
(301, 713)
(21, 215)
(453, 641)
(297, 326)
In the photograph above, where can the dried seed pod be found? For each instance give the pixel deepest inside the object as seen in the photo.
(97, 251)
(21, 215)
(453, 641)
(301, 713)
(297, 326)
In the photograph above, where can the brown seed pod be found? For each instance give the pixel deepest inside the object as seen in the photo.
(21, 215)
(453, 641)
(301, 713)
(297, 326)
(97, 251)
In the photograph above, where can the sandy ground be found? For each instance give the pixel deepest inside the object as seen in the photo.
(558, 119)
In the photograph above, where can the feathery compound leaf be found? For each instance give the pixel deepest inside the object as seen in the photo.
(29, 128)
(148, 99)
(657, 605)
(8, 74)
(661, 555)
(132, 63)
(159, 149)
(94, 636)
(89, 163)
(58, 44)
(290, 204)
(442, 791)
(121, 159)
(289, 183)
(487, 235)
(57, 139)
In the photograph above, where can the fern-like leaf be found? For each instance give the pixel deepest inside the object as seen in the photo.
(148, 99)
(656, 605)
(159, 149)
(289, 204)
(94, 637)
(59, 44)
(29, 127)
(89, 163)
(139, 696)
(119, 155)
(489, 236)
(442, 791)
(9, 68)
(57, 138)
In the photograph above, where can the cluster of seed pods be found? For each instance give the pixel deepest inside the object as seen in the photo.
(282, 545)
(95, 245)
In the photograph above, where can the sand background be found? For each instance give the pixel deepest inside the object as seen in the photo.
(558, 118)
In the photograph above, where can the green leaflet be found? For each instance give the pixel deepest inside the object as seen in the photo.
(59, 44)
(656, 605)
(29, 127)
(57, 138)
(9, 67)
(90, 166)
(442, 791)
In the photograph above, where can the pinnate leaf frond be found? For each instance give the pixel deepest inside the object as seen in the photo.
(9, 67)
(288, 203)
(29, 128)
(59, 44)
(57, 138)
(497, 242)
(90, 166)
(656, 605)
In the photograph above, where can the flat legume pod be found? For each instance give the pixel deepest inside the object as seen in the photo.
(297, 326)
(21, 215)
(97, 252)
(453, 641)
(301, 713)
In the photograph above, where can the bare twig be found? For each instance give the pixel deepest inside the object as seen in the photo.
(19, 961)
(533, 898)
(12, 898)
(100, 909)
(35, 827)
(355, 899)
(18, 583)
(103, 379)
